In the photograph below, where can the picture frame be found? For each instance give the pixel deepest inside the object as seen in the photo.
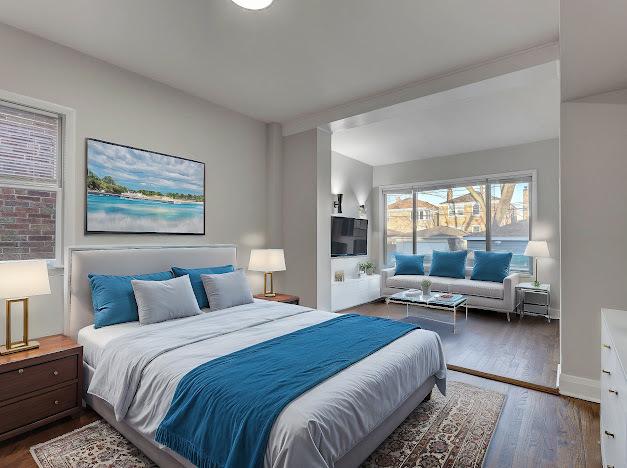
(131, 190)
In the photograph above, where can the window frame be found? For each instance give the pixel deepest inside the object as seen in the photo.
(441, 184)
(65, 167)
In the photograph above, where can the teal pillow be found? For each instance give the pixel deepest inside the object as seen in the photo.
(491, 266)
(448, 264)
(113, 299)
(409, 264)
(194, 277)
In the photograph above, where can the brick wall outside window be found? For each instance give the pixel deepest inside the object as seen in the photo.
(27, 224)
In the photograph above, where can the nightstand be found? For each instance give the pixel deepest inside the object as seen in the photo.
(40, 385)
(286, 298)
(533, 300)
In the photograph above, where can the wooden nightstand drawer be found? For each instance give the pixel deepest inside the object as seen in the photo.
(33, 409)
(30, 378)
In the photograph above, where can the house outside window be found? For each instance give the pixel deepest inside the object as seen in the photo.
(30, 182)
(491, 214)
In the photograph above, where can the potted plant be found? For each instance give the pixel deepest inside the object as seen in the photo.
(425, 285)
(366, 267)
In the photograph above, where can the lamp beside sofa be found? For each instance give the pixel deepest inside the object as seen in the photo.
(481, 293)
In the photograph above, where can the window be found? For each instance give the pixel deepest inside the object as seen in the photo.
(30, 186)
(399, 223)
(492, 214)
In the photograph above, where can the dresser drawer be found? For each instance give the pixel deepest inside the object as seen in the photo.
(30, 378)
(39, 407)
(613, 443)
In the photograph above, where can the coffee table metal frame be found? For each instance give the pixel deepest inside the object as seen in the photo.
(428, 305)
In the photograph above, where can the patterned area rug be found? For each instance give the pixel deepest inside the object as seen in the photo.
(95, 445)
(452, 431)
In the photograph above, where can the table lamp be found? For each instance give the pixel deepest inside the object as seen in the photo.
(268, 261)
(536, 249)
(18, 281)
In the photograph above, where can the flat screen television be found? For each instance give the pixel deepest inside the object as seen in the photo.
(349, 236)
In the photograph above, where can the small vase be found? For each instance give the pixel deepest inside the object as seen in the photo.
(426, 291)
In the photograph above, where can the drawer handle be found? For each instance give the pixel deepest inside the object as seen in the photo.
(20, 371)
(606, 346)
(609, 434)
(606, 372)
(55, 372)
(56, 402)
(615, 392)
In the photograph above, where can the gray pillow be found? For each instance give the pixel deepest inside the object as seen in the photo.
(158, 301)
(227, 289)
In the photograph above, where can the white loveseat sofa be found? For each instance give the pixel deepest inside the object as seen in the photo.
(500, 297)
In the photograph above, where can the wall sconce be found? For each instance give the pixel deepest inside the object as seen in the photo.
(362, 211)
(337, 203)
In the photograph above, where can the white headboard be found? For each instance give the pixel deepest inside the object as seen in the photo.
(80, 261)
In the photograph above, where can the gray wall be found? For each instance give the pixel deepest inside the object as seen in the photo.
(353, 179)
(119, 106)
(542, 156)
(300, 216)
(307, 217)
(594, 223)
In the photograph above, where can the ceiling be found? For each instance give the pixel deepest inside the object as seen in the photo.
(593, 47)
(295, 57)
(508, 110)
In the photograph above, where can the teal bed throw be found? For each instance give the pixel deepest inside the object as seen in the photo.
(223, 411)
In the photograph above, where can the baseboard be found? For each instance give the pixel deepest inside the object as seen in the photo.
(579, 387)
(554, 314)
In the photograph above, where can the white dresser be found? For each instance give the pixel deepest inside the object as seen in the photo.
(614, 388)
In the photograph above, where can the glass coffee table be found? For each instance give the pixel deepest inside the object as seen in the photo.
(438, 301)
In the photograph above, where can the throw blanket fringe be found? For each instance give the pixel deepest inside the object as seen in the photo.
(223, 411)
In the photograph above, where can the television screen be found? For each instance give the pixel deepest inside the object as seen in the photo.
(349, 236)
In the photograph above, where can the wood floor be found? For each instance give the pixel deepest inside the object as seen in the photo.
(526, 350)
(535, 430)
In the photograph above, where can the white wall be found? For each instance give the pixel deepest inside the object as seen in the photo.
(594, 223)
(541, 156)
(119, 106)
(353, 179)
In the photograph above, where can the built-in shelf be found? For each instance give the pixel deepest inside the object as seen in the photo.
(355, 291)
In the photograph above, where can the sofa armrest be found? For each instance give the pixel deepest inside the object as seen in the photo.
(509, 290)
(385, 274)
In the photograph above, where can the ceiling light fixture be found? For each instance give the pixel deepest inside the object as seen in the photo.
(253, 4)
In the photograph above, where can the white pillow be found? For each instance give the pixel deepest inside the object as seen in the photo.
(158, 301)
(227, 289)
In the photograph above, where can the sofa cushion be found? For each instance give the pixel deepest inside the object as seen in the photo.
(449, 264)
(470, 287)
(464, 286)
(409, 264)
(491, 266)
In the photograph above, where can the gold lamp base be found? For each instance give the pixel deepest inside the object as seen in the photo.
(11, 347)
(19, 346)
(268, 292)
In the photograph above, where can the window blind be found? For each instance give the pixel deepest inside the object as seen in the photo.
(29, 146)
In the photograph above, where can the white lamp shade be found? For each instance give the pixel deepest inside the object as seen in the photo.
(537, 249)
(267, 260)
(24, 279)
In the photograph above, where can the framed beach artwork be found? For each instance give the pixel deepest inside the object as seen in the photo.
(135, 191)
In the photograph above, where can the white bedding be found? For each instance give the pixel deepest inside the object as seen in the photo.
(136, 376)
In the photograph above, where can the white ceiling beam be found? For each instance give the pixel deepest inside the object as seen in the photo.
(510, 63)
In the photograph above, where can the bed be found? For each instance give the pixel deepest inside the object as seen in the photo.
(338, 423)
